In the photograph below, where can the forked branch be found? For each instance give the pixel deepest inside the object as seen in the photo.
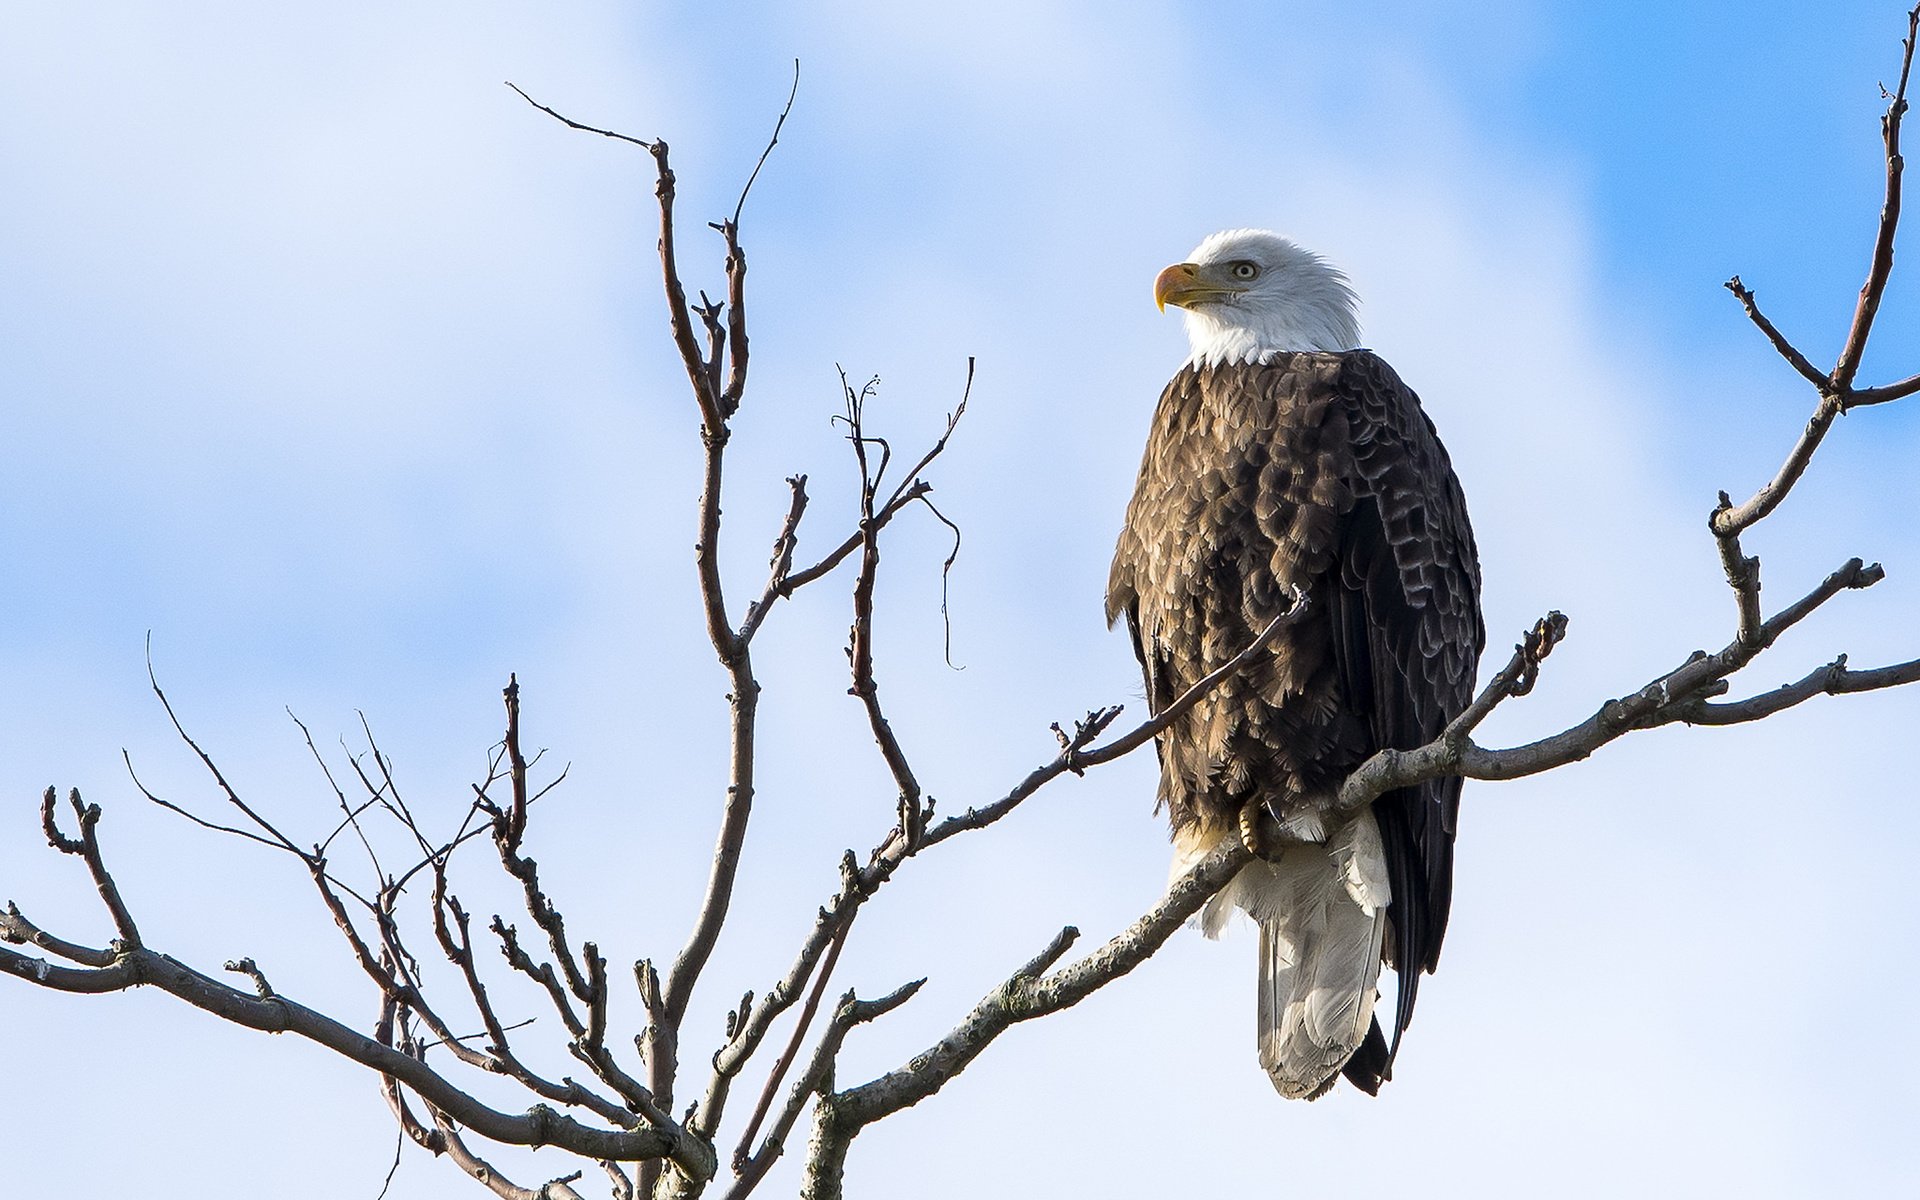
(1837, 393)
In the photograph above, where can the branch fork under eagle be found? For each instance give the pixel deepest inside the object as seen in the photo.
(1284, 462)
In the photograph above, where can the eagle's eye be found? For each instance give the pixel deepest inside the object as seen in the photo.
(1243, 269)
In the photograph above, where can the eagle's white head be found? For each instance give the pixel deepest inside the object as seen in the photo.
(1250, 293)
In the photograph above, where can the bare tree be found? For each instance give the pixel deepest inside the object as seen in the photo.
(639, 1112)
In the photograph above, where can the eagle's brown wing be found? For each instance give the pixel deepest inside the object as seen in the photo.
(1407, 640)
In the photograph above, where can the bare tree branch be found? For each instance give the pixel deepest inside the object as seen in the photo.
(789, 584)
(860, 648)
(459, 951)
(391, 1031)
(1881, 267)
(539, 1126)
(743, 1152)
(1788, 351)
(1880, 395)
(1743, 576)
(852, 1011)
(572, 124)
(781, 563)
(1834, 679)
(713, 422)
(736, 268)
(15, 928)
(1132, 740)
(773, 141)
(1836, 390)
(715, 405)
(1662, 701)
(87, 848)
(272, 836)
(1029, 993)
(488, 1176)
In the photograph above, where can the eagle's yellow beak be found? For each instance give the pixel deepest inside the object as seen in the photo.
(1180, 285)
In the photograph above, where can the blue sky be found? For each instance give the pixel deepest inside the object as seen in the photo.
(343, 373)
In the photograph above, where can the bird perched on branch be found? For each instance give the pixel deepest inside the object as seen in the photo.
(1285, 466)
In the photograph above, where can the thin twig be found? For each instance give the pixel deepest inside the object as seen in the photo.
(232, 796)
(572, 124)
(771, 143)
(1787, 349)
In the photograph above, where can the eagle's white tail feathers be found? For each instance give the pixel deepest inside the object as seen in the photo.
(1322, 912)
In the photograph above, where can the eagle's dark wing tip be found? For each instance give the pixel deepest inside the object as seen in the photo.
(1371, 1065)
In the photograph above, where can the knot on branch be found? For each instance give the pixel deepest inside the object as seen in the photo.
(737, 1019)
(1719, 524)
(912, 822)
(13, 925)
(1614, 715)
(246, 966)
(540, 1119)
(853, 881)
(1085, 731)
(647, 981)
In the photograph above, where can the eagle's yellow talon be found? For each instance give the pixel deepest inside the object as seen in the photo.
(1250, 814)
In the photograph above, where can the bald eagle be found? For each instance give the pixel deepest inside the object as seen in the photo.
(1283, 461)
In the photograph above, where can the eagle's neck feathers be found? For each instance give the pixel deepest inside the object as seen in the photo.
(1254, 331)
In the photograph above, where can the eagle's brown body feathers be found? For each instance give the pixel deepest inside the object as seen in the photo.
(1314, 473)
